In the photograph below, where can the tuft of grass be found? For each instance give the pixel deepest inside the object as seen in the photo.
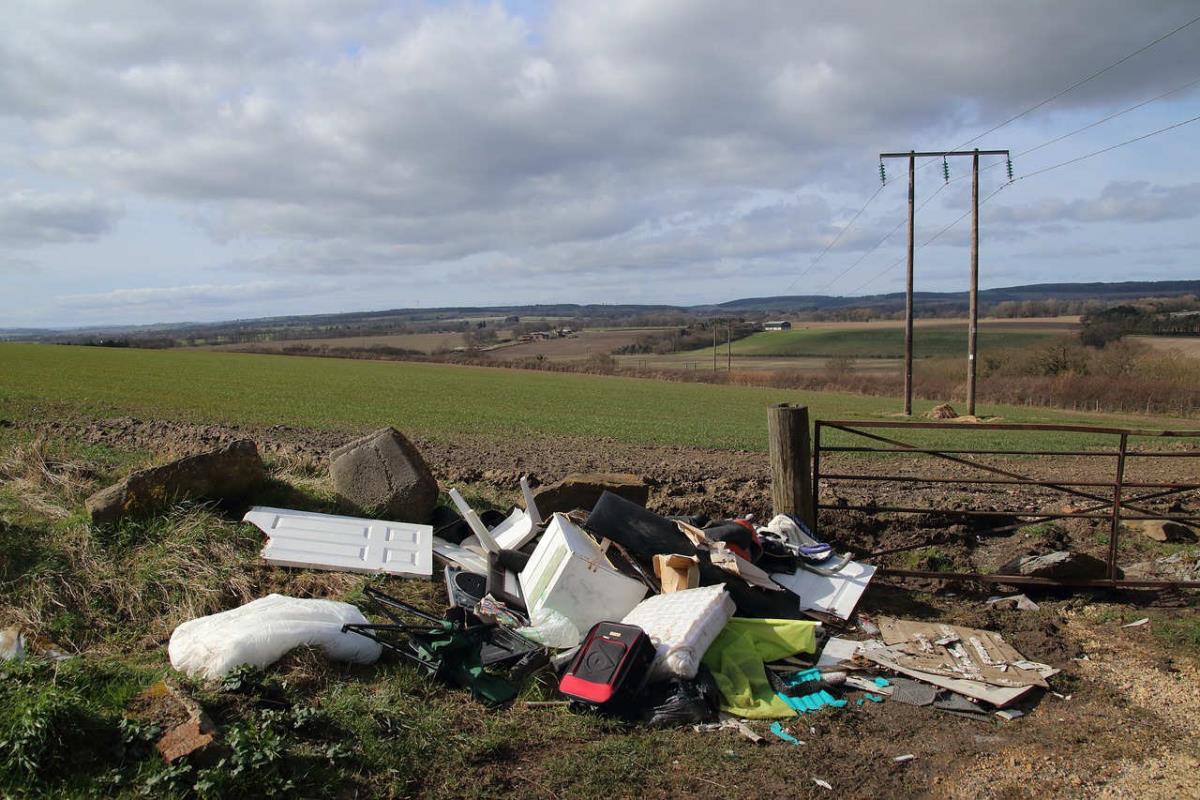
(932, 558)
(61, 726)
(1182, 633)
(45, 483)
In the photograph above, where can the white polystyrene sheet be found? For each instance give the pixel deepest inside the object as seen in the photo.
(351, 544)
(836, 594)
(682, 625)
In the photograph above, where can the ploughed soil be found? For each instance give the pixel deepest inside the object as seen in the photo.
(1123, 716)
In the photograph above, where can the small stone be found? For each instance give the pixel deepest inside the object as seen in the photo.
(12, 644)
(583, 489)
(186, 738)
(1163, 530)
(1059, 565)
(383, 474)
(226, 474)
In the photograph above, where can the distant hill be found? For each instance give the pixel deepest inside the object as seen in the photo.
(1127, 290)
(360, 322)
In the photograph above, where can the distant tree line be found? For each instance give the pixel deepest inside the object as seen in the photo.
(1099, 328)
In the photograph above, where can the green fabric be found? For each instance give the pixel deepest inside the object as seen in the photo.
(456, 652)
(737, 657)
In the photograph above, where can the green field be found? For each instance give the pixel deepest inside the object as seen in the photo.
(875, 342)
(40, 381)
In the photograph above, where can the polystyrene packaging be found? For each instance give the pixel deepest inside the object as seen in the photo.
(261, 631)
(682, 625)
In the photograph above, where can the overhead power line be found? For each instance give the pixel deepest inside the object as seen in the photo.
(878, 244)
(1110, 148)
(1081, 82)
(1068, 162)
(1090, 125)
(1077, 84)
(927, 242)
(837, 238)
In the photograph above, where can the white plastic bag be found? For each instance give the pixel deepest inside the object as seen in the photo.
(551, 629)
(261, 631)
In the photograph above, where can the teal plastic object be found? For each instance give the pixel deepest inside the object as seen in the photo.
(882, 682)
(778, 730)
(797, 678)
(811, 702)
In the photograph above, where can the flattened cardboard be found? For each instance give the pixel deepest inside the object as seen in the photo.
(957, 652)
(893, 659)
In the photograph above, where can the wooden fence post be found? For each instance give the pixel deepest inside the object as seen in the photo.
(791, 478)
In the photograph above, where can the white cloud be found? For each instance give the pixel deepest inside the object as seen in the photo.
(29, 218)
(169, 296)
(411, 139)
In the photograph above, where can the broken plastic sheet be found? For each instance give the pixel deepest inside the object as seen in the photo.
(263, 630)
(836, 594)
(836, 652)
(347, 544)
(459, 556)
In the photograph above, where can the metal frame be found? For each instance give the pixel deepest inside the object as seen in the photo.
(1114, 505)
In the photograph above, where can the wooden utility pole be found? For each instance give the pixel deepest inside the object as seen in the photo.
(728, 347)
(908, 286)
(714, 327)
(791, 478)
(973, 324)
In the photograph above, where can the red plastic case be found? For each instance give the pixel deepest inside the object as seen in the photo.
(612, 662)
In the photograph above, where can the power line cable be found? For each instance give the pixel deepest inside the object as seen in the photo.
(928, 241)
(1077, 84)
(877, 245)
(1081, 82)
(1089, 126)
(1109, 148)
(837, 239)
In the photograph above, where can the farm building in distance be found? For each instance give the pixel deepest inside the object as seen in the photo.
(777, 325)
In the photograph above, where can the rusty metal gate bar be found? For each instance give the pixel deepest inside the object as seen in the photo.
(1112, 508)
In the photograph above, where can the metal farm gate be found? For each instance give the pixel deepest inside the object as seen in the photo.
(1115, 498)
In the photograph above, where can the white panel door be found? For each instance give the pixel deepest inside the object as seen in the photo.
(351, 544)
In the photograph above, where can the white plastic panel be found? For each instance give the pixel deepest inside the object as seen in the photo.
(835, 594)
(351, 544)
(568, 573)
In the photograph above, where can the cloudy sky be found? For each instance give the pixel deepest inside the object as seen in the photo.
(238, 158)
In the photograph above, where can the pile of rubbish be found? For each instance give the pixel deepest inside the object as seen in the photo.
(655, 620)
